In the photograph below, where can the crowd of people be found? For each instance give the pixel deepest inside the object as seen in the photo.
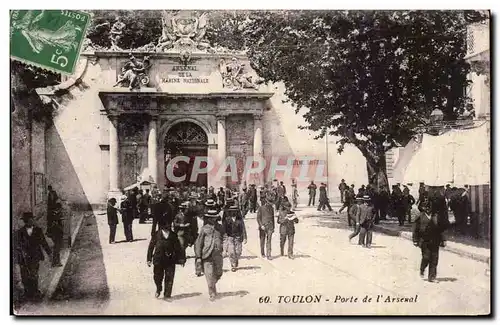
(175, 213)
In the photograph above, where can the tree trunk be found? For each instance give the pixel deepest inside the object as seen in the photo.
(377, 172)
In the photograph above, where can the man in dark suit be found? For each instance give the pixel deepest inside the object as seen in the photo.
(287, 220)
(29, 242)
(265, 220)
(164, 252)
(312, 193)
(112, 213)
(342, 187)
(427, 234)
(323, 198)
(128, 214)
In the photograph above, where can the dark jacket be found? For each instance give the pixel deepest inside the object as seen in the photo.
(287, 227)
(112, 215)
(427, 228)
(252, 194)
(408, 201)
(28, 249)
(312, 189)
(265, 217)
(234, 228)
(165, 251)
(162, 212)
(209, 241)
(323, 197)
(127, 210)
(366, 214)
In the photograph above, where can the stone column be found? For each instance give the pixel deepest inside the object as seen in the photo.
(258, 147)
(221, 144)
(152, 150)
(113, 156)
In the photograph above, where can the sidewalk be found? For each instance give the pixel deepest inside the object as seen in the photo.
(475, 249)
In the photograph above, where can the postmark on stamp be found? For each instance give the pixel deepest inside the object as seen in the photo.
(50, 39)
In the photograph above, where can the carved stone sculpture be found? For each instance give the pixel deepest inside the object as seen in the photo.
(135, 73)
(115, 34)
(234, 75)
(183, 32)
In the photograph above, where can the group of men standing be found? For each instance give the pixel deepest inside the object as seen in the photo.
(175, 214)
(397, 204)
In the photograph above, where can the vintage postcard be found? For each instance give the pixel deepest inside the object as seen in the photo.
(262, 163)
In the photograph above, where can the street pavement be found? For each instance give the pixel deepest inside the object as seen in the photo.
(340, 277)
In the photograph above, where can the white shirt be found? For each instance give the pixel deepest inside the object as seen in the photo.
(165, 234)
(29, 230)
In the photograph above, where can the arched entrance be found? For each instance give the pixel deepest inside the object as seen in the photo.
(190, 140)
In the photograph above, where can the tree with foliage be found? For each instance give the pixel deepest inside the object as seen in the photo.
(142, 27)
(371, 78)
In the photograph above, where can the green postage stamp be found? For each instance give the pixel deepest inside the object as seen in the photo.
(50, 39)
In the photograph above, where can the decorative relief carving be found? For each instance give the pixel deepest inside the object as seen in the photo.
(235, 75)
(131, 167)
(132, 129)
(184, 33)
(239, 128)
(135, 73)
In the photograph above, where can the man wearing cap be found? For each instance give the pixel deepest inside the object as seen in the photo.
(235, 234)
(265, 220)
(29, 241)
(287, 220)
(164, 252)
(208, 251)
(366, 217)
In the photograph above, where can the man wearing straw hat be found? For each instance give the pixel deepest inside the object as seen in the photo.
(29, 242)
(355, 218)
(235, 234)
(366, 218)
(208, 251)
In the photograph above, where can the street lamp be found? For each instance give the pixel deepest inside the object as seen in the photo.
(135, 145)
